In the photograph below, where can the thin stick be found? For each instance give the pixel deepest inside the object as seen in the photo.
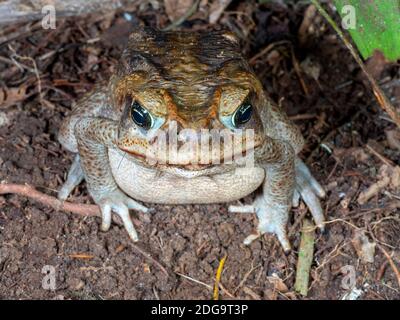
(306, 252)
(297, 69)
(392, 265)
(81, 209)
(35, 69)
(264, 51)
(87, 210)
(379, 95)
(206, 285)
(195, 280)
(245, 277)
(381, 157)
(149, 257)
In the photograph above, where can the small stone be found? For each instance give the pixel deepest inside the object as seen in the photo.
(75, 284)
(4, 120)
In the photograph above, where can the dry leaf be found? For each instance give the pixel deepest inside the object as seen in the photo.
(146, 268)
(4, 120)
(395, 180)
(357, 153)
(364, 248)
(306, 26)
(393, 138)
(216, 10)
(177, 8)
(311, 68)
(10, 96)
(251, 293)
(278, 283)
(273, 58)
(376, 64)
(388, 177)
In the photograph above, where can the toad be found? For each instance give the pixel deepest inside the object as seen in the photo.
(184, 120)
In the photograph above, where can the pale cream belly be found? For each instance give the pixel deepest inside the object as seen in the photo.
(152, 186)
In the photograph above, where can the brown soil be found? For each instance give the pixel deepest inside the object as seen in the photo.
(328, 99)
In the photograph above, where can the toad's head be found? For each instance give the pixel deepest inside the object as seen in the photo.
(188, 100)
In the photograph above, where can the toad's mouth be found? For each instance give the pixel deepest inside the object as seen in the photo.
(238, 159)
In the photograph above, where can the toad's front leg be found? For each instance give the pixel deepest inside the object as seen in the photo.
(94, 136)
(286, 178)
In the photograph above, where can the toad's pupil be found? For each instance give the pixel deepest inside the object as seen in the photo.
(243, 114)
(141, 116)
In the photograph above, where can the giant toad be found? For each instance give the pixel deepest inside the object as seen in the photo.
(185, 120)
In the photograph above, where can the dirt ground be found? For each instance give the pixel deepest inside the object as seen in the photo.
(351, 144)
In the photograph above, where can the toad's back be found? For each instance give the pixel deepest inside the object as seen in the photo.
(187, 65)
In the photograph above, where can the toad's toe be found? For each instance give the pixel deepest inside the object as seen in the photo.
(119, 203)
(310, 190)
(271, 219)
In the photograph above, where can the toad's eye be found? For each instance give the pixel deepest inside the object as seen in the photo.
(141, 116)
(242, 114)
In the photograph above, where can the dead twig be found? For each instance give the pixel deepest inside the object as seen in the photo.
(305, 116)
(83, 256)
(373, 190)
(391, 263)
(331, 134)
(34, 70)
(264, 51)
(20, 32)
(306, 252)
(381, 270)
(87, 210)
(242, 282)
(388, 176)
(206, 285)
(379, 156)
(81, 209)
(298, 71)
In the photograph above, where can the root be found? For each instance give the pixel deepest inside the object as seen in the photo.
(87, 210)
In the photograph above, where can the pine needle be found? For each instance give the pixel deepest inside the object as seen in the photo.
(218, 278)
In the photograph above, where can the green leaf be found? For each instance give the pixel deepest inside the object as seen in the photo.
(376, 27)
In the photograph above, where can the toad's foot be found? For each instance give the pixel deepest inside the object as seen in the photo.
(271, 219)
(310, 191)
(115, 200)
(120, 203)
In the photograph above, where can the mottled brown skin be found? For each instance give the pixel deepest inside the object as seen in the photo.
(196, 81)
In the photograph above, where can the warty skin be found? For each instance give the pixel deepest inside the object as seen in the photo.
(195, 81)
